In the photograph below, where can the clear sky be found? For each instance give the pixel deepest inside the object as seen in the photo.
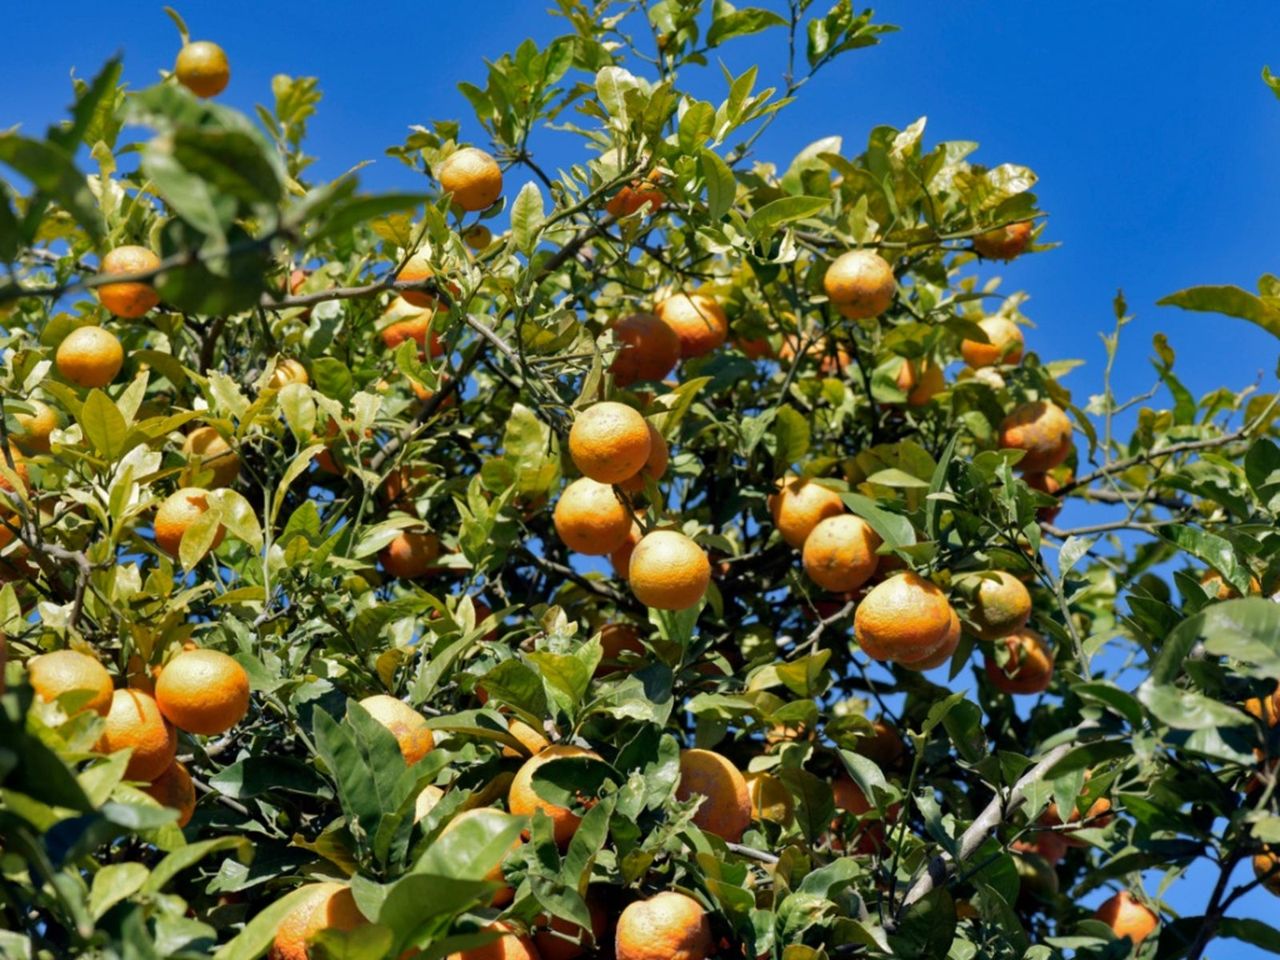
(1153, 135)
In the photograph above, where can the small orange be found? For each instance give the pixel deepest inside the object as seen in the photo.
(1047, 844)
(633, 196)
(1004, 344)
(203, 691)
(287, 371)
(129, 299)
(1045, 483)
(1030, 665)
(609, 442)
(509, 946)
(944, 651)
(202, 68)
(667, 926)
(207, 450)
(869, 837)
(1266, 709)
(416, 269)
(1098, 815)
(473, 177)
(135, 721)
(999, 603)
(408, 321)
(174, 789)
(799, 505)
(24, 478)
(478, 237)
(66, 671)
(35, 428)
(654, 466)
(650, 349)
(411, 555)
(1266, 867)
(726, 805)
(330, 906)
(840, 553)
(883, 745)
(860, 284)
(89, 357)
(558, 939)
(1041, 431)
(1004, 243)
(522, 800)
(698, 321)
(922, 380)
(904, 618)
(615, 640)
(668, 571)
(176, 516)
(1127, 917)
(620, 559)
(505, 895)
(406, 724)
(589, 518)
(1224, 589)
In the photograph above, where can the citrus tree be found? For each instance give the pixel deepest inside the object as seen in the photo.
(657, 557)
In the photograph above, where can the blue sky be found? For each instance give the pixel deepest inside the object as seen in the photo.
(1154, 138)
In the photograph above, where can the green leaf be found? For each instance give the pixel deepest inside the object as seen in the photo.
(333, 378)
(1261, 935)
(255, 939)
(52, 171)
(728, 23)
(1212, 549)
(766, 221)
(527, 217)
(791, 431)
(1229, 300)
(1188, 710)
(231, 161)
(103, 424)
(927, 927)
(190, 855)
(894, 529)
(113, 883)
(722, 188)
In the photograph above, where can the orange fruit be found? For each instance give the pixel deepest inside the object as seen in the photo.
(1127, 917)
(558, 939)
(698, 321)
(849, 798)
(287, 371)
(89, 357)
(478, 237)
(426, 801)
(883, 745)
(1030, 665)
(755, 348)
(799, 505)
(522, 801)
(24, 478)
(633, 196)
(944, 651)
(1004, 243)
(202, 68)
(1097, 816)
(615, 640)
(668, 571)
(922, 380)
(35, 428)
(1266, 709)
(650, 349)
(1225, 590)
(63, 671)
(176, 515)
(860, 284)
(667, 926)
(207, 450)
(203, 691)
(1266, 867)
(726, 805)
(174, 789)
(473, 177)
(410, 321)
(412, 554)
(770, 798)
(609, 442)
(655, 465)
(589, 518)
(531, 739)
(509, 946)
(620, 559)
(1047, 844)
(999, 603)
(904, 618)
(1004, 344)
(505, 895)
(417, 268)
(129, 299)
(135, 721)
(1045, 483)
(330, 906)
(406, 724)
(1041, 431)
(840, 553)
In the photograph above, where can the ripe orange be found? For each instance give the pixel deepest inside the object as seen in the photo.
(1266, 867)
(287, 371)
(89, 357)
(557, 939)
(406, 724)
(800, 505)
(478, 237)
(410, 322)
(726, 807)
(770, 798)
(999, 603)
(63, 671)
(922, 380)
(860, 284)
(174, 789)
(620, 559)
(203, 691)
(176, 515)
(132, 298)
(904, 618)
(944, 651)
(1127, 917)
(1045, 483)
(650, 351)
(1225, 590)
(869, 837)
(473, 177)
(531, 739)
(207, 450)
(609, 442)
(655, 465)
(505, 895)
(883, 745)
(698, 321)
(1042, 431)
(412, 554)
(1048, 845)
(417, 268)
(1266, 709)
(134, 720)
(1004, 344)
(589, 518)
(509, 946)
(35, 428)
(840, 553)
(330, 906)
(615, 640)
(667, 926)
(668, 571)
(1097, 816)
(1004, 243)
(202, 68)
(633, 196)
(522, 801)
(1030, 665)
